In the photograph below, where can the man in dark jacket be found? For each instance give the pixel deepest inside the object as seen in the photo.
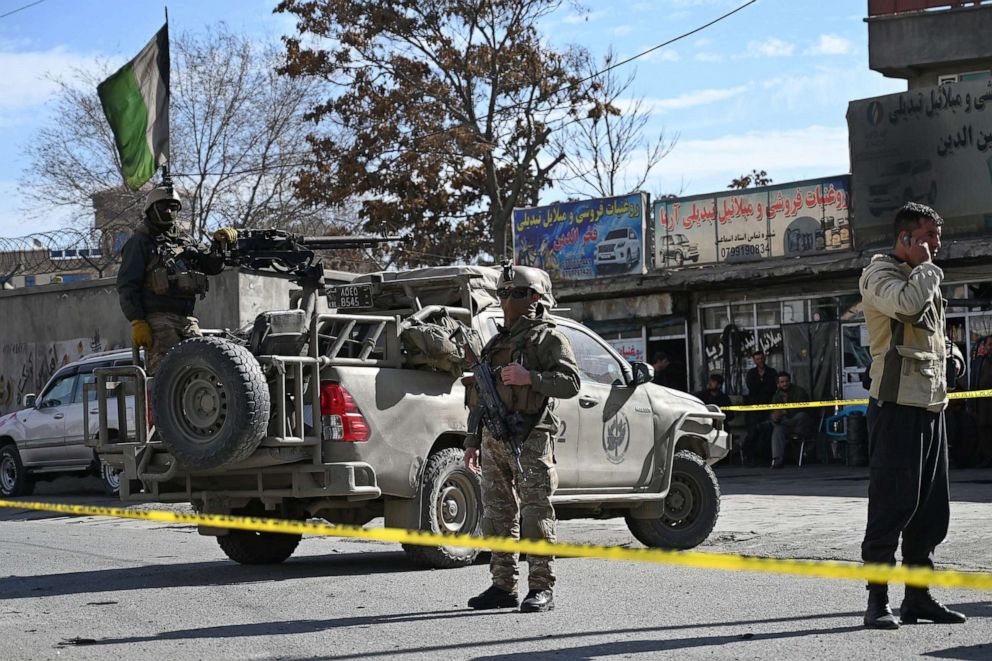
(162, 272)
(788, 421)
(714, 394)
(762, 382)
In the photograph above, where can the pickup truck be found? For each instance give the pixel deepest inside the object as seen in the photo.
(330, 415)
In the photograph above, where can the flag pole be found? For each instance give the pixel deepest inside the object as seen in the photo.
(166, 179)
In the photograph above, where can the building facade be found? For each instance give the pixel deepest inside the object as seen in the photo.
(718, 276)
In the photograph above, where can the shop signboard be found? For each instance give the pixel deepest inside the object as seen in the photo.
(632, 349)
(809, 218)
(931, 145)
(585, 239)
(788, 220)
(685, 232)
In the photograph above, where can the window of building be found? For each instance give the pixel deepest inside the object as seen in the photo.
(769, 314)
(742, 314)
(793, 312)
(715, 318)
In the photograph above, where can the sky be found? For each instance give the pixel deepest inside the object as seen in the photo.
(765, 89)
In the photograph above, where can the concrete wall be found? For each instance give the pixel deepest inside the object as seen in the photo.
(919, 46)
(44, 328)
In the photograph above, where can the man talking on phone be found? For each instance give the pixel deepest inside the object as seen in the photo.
(908, 486)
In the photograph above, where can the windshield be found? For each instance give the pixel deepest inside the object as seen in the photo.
(616, 234)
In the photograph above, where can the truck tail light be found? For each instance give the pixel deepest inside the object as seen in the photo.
(343, 421)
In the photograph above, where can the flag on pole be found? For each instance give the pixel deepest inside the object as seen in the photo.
(136, 103)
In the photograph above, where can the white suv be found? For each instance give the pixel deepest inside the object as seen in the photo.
(45, 439)
(620, 247)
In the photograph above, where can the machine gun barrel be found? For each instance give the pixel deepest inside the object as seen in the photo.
(344, 242)
(283, 254)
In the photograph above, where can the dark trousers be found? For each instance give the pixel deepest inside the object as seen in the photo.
(907, 489)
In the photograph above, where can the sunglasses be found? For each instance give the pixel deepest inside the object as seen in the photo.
(513, 292)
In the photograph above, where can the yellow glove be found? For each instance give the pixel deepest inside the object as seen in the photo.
(141, 334)
(226, 235)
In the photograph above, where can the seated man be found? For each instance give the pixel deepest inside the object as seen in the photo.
(788, 421)
(714, 395)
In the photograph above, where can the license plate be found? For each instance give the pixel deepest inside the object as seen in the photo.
(350, 296)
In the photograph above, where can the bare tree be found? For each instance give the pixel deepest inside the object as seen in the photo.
(238, 135)
(607, 153)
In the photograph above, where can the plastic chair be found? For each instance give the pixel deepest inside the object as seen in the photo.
(840, 435)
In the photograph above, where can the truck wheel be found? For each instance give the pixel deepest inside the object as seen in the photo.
(451, 504)
(14, 480)
(679, 259)
(211, 403)
(691, 507)
(257, 548)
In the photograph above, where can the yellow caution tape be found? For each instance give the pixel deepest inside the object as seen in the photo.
(970, 394)
(726, 562)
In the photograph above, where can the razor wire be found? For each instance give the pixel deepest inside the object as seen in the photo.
(63, 250)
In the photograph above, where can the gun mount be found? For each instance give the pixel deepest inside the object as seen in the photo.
(278, 253)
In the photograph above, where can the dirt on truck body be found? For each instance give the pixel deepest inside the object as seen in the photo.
(356, 414)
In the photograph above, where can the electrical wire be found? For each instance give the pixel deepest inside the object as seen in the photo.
(14, 11)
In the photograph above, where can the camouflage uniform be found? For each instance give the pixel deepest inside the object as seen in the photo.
(516, 501)
(168, 330)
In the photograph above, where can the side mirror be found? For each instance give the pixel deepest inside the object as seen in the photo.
(643, 373)
(28, 400)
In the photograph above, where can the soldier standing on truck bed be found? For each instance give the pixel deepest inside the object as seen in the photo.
(162, 272)
(534, 364)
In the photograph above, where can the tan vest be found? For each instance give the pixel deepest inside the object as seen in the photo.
(522, 347)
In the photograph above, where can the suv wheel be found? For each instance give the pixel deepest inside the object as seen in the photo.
(691, 507)
(112, 481)
(257, 548)
(14, 481)
(451, 504)
(679, 258)
(211, 403)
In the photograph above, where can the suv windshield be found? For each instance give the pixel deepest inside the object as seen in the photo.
(616, 234)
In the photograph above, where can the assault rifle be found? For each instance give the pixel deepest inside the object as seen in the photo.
(506, 427)
(283, 254)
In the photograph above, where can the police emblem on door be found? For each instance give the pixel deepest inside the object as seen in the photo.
(616, 438)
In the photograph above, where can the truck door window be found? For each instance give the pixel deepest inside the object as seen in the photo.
(595, 361)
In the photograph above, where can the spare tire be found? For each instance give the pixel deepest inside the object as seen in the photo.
(211, 403)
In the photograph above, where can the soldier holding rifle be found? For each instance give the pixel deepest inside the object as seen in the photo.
(529, 364)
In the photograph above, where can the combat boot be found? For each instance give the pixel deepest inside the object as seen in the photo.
(919, 604)
(879, 615)
(538, 601)
(494, 597)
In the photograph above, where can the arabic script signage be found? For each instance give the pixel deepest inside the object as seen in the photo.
(795, 219)
(583, 240)
(931, 145)
(633, 350)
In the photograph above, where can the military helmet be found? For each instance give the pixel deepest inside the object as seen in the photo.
(159, 194)
(524, 276)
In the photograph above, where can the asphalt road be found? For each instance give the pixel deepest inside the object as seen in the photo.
(95, 588)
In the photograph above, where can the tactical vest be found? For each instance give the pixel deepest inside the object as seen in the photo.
(167, 274)
(520, 348)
